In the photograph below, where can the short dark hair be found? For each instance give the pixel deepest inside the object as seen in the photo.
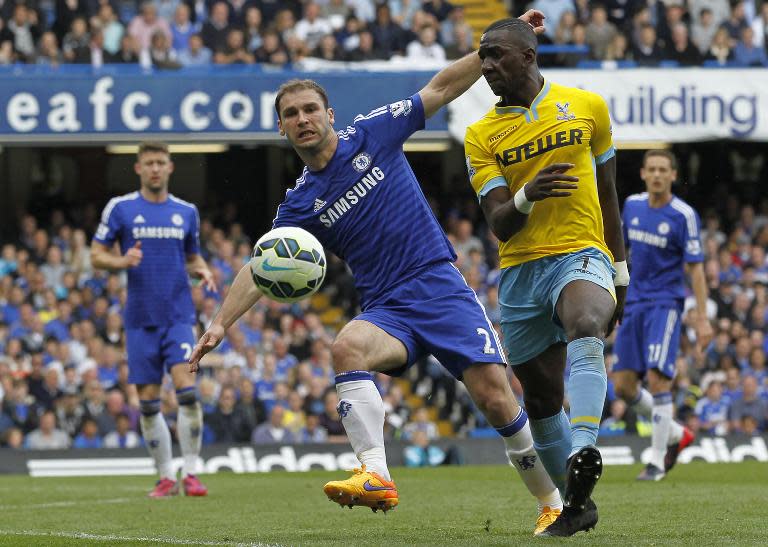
(522, 30)
(663, 154)
(296, 84)
(152, 146)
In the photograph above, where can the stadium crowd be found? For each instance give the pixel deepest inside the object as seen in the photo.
(63, 374)
(170, 34)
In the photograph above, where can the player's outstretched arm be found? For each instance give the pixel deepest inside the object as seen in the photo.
(197, 268)
(507, 214)
(614, 237)
(242, 295)
(103, 258)
(459, 76)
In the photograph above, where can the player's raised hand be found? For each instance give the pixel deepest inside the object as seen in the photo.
(551, 182)
(206, 276)
(535, 18)
(208, 341)
(134, 255)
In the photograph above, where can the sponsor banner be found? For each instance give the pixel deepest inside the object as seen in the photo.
(75, 103)
(334, 457)
(664, 105)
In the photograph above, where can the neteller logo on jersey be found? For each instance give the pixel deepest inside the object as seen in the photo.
(401, 108)
(362, 162)
(544, 144)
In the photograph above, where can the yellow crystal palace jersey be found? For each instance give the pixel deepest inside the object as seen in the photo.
(510, 145)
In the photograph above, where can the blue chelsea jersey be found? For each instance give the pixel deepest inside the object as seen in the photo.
(366, 205)
(158, 288)
(661, 241)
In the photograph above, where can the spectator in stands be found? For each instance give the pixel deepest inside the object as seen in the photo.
(48, 52)
(388, 37)
(421, 453)
(336, 12)
(420, 422)
(21, 407)
(253, 28)
(681, 49)
(123, 436)
(146, 24)
(617, 50)
(712, 411)
(578, 38)
(328, 49)
(128, 52)
(648, 51)
(736, 22)
(285, 25)
(7, 56)
(234, 51)
(439, 9)
(426, 47)
(674, 12)
(554, 10)
(215, 29)
(456, 20)
(93, 55)
(364, 9)
(760, 26)
(75, 41)
(111, 26)
(599, 32)
(313, 432)
(347, 36)
(47, 436)
(182, 27)
(719, 9)
(251, 407)
(703, 30)
(749, 405)
(273, 431)
(69, 411)
(161, 55)
(564, 30)
(746, 53)
(272, 51)
(88, 436)
(365, 50)
(312, 27)
(461, 43)
(23, 30)
(230, 423)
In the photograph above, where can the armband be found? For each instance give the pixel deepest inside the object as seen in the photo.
(621, 279)
(521, 202)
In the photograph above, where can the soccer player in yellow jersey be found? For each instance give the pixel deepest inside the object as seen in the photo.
(543, 165)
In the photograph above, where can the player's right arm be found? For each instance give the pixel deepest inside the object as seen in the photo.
(103, 258)
(242, 295)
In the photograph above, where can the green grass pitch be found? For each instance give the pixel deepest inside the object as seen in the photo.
(697, 504)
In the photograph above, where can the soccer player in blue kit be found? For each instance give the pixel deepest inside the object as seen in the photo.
(662, 233)
(360, 198)
(158, 235)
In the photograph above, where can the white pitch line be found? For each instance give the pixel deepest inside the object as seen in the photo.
(141, 539)
(65, 503)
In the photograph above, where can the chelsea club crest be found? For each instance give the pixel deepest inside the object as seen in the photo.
(362, 162)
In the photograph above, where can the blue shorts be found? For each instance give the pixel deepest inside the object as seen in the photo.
(152, 351)
(437, 313)
(648, 337)
(528, 295)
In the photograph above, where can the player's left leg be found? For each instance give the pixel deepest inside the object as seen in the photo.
(489, 388)
(189, 427)
(585, 304)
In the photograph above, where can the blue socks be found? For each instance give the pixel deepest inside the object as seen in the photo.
(552, 440)
(587, 385)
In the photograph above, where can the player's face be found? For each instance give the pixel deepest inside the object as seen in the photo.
(658, 175)
(154, 170)
(505, 63)
(304, 120)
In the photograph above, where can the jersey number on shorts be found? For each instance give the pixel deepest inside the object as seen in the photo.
(654, 352)
(187, 348)
(487, 349)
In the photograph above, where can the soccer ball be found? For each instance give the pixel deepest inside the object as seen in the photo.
(288, 264)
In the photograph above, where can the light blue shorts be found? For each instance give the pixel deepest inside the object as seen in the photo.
(528, 295)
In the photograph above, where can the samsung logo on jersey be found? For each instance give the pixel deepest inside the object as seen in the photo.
(352, 197)
(539, 146)
(647, 237)
(157, 232)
